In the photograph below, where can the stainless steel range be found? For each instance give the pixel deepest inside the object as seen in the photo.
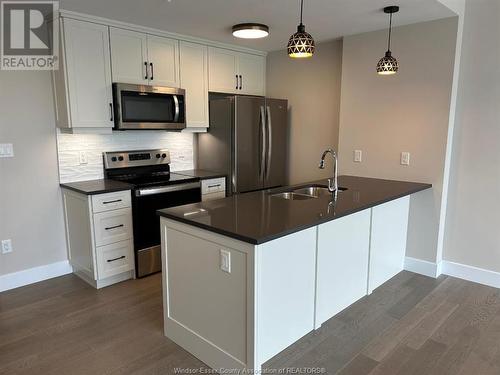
(155, 187)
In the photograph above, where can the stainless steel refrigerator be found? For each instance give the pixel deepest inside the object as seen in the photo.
(247, 140)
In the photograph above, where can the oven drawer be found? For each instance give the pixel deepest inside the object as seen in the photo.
(111, 201)
(213, 185)
(113, 226)
(114, 259)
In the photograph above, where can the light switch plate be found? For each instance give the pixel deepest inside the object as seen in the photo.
(6, 150)
(83, 157)
(6, 246)
(358, 156)
(225, 261)
(405, 158)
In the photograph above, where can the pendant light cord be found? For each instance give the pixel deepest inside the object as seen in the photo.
(390, 31)
(301, 10)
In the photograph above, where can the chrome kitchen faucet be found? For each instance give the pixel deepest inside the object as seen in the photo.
(333, 186)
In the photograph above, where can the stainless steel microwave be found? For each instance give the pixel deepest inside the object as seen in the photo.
(143, 107)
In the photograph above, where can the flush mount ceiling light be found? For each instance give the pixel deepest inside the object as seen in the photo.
(250, 30)
(388, 64)
(300, 44)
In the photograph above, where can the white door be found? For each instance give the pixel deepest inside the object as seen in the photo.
(223, 70)
(163, 58)
(88, 70)
(252, 71)
(342, 265)
(128, 56)
(194, 79)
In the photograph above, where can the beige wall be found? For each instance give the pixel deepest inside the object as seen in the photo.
(383, 116)
(30, 200)
(472, 235)
(312, 88)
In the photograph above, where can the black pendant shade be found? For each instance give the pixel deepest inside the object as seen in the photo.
(301, 43)
(388, 64)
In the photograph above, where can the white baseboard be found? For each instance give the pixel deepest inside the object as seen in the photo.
(422, 267)
(34, 275)
(461, 271)
(471, 273)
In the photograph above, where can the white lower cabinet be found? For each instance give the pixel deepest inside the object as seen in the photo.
(112, 226)
(342, 266)
(285, 291)
(99, 236)
(213, 188)
(115, 259)
(388, 241)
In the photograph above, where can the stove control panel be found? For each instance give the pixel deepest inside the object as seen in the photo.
(126, 159)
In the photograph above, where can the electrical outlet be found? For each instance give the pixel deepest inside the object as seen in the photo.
(225, 261)
(405, 158)
(358, 156)
(6, 246)
(6, 150)
(83, 157)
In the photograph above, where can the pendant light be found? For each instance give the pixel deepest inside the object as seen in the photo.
(300, 44)
(250, 30)
(388, 64)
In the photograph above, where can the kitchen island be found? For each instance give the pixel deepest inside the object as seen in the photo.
(248, 275)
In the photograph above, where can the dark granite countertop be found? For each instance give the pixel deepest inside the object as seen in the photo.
(201, 173)
(92, 187)
(258, 217)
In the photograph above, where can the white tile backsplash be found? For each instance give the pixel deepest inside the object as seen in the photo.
(180, 146)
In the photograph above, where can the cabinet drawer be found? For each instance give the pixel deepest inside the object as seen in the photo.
(213, 185)
(212, 196)
(110, 201)
(112, 226)
(114, 259)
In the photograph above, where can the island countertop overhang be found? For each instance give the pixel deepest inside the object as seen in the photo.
(258, 217)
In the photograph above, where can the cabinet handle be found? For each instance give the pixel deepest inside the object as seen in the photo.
(236, 81)
(146, 69)
(112, 260)
(115, 201)
(241, 82)
(212, 186)
(111, 111)
(116, 226)
(152, 70)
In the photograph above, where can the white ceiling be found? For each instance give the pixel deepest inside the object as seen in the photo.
(212, 19)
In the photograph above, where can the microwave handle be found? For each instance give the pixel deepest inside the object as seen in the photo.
(177, 108)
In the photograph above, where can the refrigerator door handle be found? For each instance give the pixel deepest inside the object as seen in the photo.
(270, 142)
(263, 140)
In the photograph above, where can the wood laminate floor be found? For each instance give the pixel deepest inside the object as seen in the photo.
(411, 325)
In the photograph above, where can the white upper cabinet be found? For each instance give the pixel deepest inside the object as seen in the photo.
(252, 73)
(194, 79)
(83, 83)
(235, 72)
(94, 55)
(163, 58)
(129, 56)
(223, 70)
(144, 59)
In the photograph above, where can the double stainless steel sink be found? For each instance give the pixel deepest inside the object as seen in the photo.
(306, 192)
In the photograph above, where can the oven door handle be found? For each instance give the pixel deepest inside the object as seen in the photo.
(167, 189)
